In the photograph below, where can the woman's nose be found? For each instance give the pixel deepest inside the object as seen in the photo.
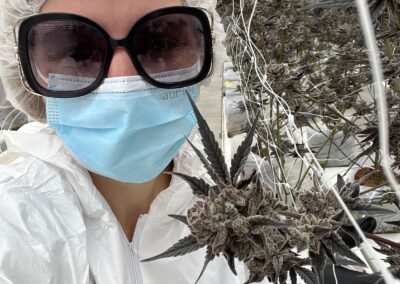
(121, 64)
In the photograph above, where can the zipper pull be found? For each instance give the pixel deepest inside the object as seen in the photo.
(133, 249)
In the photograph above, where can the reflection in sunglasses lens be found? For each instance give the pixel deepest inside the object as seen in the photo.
(61, 50)
(170, 48)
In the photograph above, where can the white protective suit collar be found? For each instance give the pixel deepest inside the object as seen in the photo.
(102, 229)
(38, 140)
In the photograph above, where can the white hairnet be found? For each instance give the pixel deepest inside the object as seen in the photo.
(13, 10)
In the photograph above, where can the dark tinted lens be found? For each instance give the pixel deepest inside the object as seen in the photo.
(65, 55)
(171, 48)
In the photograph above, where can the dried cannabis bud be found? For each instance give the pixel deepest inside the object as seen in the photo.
(314, 59)
(371, 135)
(239, 217)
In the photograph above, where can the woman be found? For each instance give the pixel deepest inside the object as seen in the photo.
(86, 199)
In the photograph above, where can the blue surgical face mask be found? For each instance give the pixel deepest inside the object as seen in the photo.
(126, 130)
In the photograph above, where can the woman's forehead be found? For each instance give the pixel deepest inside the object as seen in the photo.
(115, 16)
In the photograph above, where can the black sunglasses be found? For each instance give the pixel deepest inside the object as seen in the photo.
(170, 48)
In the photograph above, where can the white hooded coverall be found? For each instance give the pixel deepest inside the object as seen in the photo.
(56, 227)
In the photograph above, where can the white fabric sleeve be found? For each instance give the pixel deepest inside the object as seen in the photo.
(42, 234)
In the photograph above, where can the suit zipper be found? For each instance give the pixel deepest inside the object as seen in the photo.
(135, 255)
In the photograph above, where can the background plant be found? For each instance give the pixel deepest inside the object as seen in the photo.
(305, 62)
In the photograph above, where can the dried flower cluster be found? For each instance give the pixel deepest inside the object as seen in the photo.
(314, 58)
(371, 136)
(239, 217)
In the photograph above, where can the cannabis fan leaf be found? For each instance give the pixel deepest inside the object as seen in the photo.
(239, 217)
(393, 254)
(184, 246)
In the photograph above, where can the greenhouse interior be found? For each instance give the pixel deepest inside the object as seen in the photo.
(299, 124)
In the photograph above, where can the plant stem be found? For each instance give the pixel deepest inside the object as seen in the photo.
(394, 245)
(377, 159)
(290, 214)
(374, 188)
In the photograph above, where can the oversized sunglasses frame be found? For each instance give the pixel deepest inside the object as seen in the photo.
(24, 26)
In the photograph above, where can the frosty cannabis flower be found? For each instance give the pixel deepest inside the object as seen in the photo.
(239, 217)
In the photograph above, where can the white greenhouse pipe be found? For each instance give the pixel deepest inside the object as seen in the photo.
(373, 53)
(377, 74)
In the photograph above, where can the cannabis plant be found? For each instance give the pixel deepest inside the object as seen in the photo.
(392, 251)
(307, 58)
(312, 52)
(239, 217)
(371, 136)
